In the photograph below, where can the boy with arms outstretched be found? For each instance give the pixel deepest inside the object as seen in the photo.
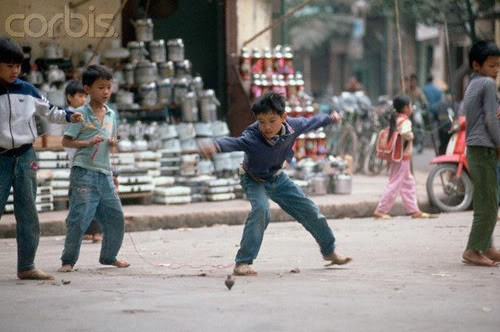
(267, 144)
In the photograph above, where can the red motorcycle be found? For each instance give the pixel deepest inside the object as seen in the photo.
(449, 186)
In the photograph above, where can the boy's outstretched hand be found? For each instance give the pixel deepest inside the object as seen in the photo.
(336, 117)
(76, 117)
(208, 149)
(112, 141)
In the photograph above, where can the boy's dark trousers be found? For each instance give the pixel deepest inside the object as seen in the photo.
(18, 170)
(482, 165)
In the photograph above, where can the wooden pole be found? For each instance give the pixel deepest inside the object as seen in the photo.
(400, 49)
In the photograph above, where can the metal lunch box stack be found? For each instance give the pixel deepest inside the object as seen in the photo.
(44, 197)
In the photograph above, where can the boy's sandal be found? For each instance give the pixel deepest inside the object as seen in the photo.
(423, 215)
(380, 215)
(244, 270)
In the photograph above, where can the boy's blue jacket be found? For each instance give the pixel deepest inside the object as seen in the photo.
(262, 159)
(19, 102)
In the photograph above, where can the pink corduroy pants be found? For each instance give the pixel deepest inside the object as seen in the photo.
(400, 181)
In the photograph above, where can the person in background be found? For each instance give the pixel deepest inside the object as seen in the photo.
(433, 96)
(401, 181)
(413, 91)
(444, 116)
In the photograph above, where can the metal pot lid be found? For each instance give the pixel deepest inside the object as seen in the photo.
(175, 42)
(159, 42)
(135, 44)
(144, 21)
(146, 64)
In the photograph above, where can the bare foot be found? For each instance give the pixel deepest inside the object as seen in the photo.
(493, 254)
(65, 268)
(97, 238)
(121, 264)
(34, 274)
(381, 215)
(87, 237)
(244, 270)
(336, 259)
(476, 258)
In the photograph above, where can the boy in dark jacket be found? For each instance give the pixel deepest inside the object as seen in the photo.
(19, 102)
(267, 144)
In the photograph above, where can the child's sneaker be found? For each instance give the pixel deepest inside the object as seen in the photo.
(244, 270)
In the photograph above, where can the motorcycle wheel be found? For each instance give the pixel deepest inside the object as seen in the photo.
(373, 165)
(348, 144)
(446, 191)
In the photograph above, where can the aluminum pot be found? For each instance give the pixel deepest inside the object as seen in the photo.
(197, 85)
(319, 184)
(165, 90)
(175, 50)
(189, 108)
(180, 90)
(166, 69)
(205, 167)
(145, 72)
(137, 51)
(148, 94)
(128, 73)
(124, 97)
(222, 161)
(183, 69)
(342, 183)
(208, 106)
(143, 29)
(185, 131)
(157, 51)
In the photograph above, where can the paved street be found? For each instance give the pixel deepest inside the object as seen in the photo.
(406, 276)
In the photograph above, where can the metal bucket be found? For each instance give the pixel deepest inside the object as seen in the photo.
(189, 108)
(165, 90)
(144, 29)
(157, 51)
(175, 50)
(342, 184)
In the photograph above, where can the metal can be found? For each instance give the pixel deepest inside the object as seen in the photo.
(165, 90)
(175, 50)
(137, 51)
(145, 72)
(148, 94)
(166, 69)
(157, 51)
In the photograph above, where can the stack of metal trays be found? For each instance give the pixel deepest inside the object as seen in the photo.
(172, 195)
(135, 181)
(170, 162)
(221, 189)
(198, 186)
(60, 182)
(149, 161)
(44, 199)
